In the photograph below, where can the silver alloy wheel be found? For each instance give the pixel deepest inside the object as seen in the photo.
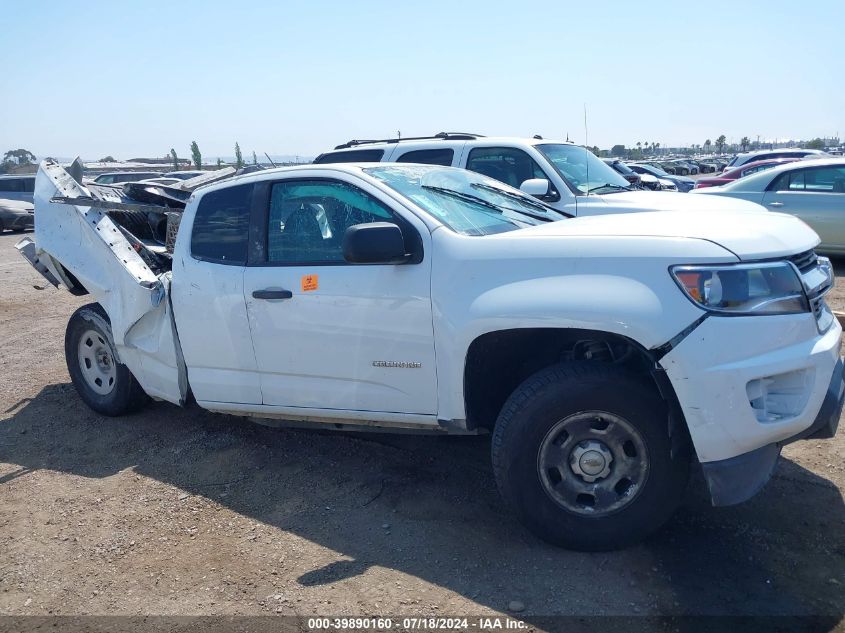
(97, 362)
(593, 463)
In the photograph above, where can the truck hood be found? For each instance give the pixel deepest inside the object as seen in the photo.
(636, 201)
(748, 234)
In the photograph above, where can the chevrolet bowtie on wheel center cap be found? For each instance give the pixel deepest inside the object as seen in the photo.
(593, 463)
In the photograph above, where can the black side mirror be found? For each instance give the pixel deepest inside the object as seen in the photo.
(374, 243)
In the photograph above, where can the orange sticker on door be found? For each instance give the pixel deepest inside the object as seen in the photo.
(309, 282)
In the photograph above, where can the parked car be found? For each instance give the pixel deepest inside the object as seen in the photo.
(665, 166)
(643, 181)
(119, 177)
(565, 176)
(681, 168)
(599, 352)
(16, 215)
(812, 190)
(767, 154)
(705, 167)
(626, 172)
(654, 183)
(682, 183)
(692, 165)
(740, 172)
(17, 187)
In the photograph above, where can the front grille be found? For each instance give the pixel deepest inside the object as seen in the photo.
(804, 261)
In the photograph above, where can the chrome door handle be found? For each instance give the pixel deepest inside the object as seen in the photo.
(776, 204)
(272, 294)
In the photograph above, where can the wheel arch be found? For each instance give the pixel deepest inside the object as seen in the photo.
(497, 362)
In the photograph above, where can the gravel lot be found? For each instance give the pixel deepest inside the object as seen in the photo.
(176, 511)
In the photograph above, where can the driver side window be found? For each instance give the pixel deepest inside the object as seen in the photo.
(505, 164)
(790, 181)
(308, 219)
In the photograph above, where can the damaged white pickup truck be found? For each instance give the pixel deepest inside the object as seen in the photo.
(604, 354)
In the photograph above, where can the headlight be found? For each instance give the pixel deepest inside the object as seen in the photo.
(750, 289)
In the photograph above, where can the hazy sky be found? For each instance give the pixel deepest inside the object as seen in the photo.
(137, 78)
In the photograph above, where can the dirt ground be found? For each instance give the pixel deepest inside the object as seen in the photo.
(180, 511)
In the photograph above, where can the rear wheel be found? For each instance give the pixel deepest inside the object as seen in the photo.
(583, 455)
(106, 385)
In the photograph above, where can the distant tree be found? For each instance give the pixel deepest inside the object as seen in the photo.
(744, 142)
(617, 150)
(16, 158)
(707, 145)
(720, 143)
(175, 159)
(657, 146)
(107, 159)
(254, 158)
(239, 159)
(196, 157)
(594, 149)
(19, 157)
(219, 163)
(816, 143)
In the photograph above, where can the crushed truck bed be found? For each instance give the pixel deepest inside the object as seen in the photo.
(112, 242)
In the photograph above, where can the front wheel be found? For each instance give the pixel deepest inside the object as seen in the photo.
(106, 385)
(582, 453)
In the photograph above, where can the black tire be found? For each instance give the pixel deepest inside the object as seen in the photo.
(563, 393)
(119, 393)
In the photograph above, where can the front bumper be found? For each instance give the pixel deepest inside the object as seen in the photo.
(739, 478)
(748, 385)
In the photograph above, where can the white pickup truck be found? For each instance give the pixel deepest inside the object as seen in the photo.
(604, 354)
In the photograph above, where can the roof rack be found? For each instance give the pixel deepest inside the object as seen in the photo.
(445, 136)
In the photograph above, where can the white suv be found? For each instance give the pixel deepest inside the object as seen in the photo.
(566, 176)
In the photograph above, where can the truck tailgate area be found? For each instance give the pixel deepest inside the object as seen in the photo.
(80, 246)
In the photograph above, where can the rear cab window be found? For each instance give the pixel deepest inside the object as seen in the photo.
(350, 156)
(221, 225)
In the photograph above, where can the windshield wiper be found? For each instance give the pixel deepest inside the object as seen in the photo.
(610, 186)
(522, 199)
(468, 197)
